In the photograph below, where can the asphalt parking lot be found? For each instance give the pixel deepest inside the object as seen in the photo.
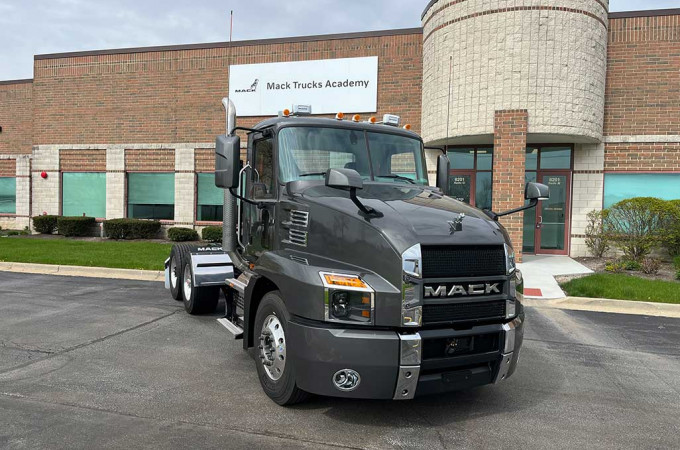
(118, 364)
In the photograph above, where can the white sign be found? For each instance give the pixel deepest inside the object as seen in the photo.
(349, 85)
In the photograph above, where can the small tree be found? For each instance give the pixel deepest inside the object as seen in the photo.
(636, 225)
(596, 239)
(671, 239)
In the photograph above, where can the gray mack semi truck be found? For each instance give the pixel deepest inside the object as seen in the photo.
(344, 273)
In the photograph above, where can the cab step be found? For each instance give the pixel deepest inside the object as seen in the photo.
(231, 327)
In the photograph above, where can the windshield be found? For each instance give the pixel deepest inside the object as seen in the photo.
(306, 153)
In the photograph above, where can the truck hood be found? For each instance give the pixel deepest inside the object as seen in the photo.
(409, 215)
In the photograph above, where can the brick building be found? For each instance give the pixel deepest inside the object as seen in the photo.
(558, 91)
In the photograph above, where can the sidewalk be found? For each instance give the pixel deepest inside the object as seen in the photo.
(539, 273)
(80, 271)
(608, 306)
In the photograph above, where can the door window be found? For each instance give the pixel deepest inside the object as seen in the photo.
(263, 156)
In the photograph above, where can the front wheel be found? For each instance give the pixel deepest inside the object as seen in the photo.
(277, 375)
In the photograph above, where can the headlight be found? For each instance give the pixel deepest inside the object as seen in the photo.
(348, 299)
(510, 263)
(412, 267)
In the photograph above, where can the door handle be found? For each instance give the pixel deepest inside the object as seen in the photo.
(540, 222)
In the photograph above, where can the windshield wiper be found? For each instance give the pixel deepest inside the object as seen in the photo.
(312, 174)
(397, 177)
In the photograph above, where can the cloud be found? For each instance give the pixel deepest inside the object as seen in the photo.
(29, 27)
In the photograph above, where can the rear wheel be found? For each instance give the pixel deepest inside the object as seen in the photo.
(178, 257)
(198, 300)
(277, 375)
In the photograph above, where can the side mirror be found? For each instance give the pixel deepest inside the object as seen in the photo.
(344, 179)
(536, 191)
(349, 179)
(443, 168)
(227, 156)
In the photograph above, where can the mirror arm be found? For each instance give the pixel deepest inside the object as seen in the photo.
(495, 216)
(441, 149)
(243, 199)
(367, 210)
(249, 130)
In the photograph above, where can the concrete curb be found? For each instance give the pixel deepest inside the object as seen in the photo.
(80, 271)
(608, 306)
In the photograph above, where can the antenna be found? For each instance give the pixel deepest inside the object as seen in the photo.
(448, 112)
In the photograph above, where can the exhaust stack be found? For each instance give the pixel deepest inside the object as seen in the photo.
(229, 239)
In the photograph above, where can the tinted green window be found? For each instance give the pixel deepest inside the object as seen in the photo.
(459, 187)
(83, 193)
(210, 199)
(462, 158)
(555, 158)
(483, 190)
(151, 196)
(8, 195)
(531, 162)
(620, 186)
(484, 158)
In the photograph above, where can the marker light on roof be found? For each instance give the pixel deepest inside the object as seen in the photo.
(340, 116)
(356, 118)
(372, 120)
(407, 126)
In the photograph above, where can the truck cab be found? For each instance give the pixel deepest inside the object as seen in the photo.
(347, 275)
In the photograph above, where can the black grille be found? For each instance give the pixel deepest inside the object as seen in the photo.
(462, 261)
(460, 312)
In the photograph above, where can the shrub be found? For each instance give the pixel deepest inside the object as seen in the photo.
(13, 233)
(212, 234)
(650, 266)
(628, 264)
(671, 238)
(45, 224)
(131, 228)
(636, 225)
(596, 239)
(75, 226)
(182, 234)
(614, 267)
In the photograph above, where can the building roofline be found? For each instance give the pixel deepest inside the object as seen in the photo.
(23, 81)
(646, 13)
(286, 40)
(612, 15)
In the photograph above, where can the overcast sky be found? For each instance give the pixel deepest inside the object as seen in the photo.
(30, 27)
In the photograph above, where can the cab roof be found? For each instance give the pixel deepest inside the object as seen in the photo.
(299, 121)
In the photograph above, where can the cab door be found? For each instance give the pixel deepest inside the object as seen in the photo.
(258, 219)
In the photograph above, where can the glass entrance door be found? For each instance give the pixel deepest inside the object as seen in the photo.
(552, 216)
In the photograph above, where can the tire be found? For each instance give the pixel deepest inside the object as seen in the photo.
(198, 300)
(278, 378)
(178, 258)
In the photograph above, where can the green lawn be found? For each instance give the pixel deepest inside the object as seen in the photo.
(117, 254)
(623, 287)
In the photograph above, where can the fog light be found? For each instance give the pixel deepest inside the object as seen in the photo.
(346, 380)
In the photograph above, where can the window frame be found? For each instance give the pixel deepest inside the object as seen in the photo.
(126, 214)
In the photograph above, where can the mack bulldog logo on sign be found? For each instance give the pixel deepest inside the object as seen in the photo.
(444, 291)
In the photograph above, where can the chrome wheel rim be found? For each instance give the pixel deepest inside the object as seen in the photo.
(187, 283)
(173, 273)
(273, 347)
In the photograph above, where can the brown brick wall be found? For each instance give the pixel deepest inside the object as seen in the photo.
(8, 167)
(153, 160)
(643, 76)
(82, 160)
(510, 141)
(653, 157)
(174, 96)
(16, 110)
(204, 159)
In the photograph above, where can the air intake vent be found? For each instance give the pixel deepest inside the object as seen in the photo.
(449, 261)
(461, 312)
(299, 218)
(297, 237)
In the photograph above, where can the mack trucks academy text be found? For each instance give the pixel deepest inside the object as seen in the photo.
(344, 272)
